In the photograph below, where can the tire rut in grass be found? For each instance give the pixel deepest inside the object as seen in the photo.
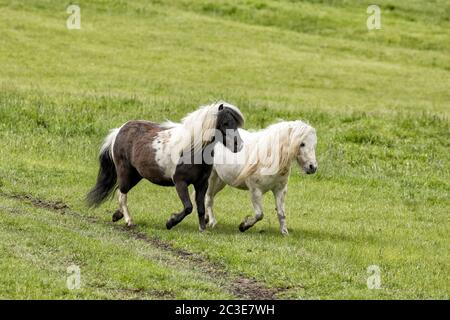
(239, 286)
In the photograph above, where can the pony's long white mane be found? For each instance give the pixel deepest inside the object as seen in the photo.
(273, 149)
(198, 127)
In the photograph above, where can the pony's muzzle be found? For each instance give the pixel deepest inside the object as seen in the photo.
(311, 169)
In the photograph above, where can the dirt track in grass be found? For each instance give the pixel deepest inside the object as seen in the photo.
(239, 286)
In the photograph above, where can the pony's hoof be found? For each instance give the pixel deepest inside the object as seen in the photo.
(117, 216)
(172, 222)
(243, 227)
(131, 225)
(212, 224)
(202, 224)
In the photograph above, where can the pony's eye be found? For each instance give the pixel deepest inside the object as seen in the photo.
(302, 144)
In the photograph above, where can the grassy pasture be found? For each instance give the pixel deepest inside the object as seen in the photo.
(380, 101)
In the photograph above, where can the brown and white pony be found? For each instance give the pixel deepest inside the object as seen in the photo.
(168, 154)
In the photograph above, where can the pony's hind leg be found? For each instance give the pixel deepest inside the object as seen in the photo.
(280, 195)
(183, 193)
(127, 179)
(124, 208)
(257, 205)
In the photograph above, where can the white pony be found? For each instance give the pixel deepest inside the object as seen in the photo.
(263, 164)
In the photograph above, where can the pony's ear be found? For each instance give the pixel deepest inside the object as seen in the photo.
(221, 107)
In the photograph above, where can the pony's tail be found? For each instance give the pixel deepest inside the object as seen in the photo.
(107, 175)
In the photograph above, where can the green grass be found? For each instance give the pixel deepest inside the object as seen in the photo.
(380, 101)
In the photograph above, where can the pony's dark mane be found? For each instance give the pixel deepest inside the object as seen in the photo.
(236, 115)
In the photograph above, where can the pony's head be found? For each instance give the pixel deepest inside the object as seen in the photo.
(229, 119)
(215, 122)
(306, 150)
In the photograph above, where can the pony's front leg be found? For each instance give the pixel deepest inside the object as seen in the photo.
(183, 193)
(200, 192)
(280, 195)
(215, 185)
(209, 215)
(257, 205)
